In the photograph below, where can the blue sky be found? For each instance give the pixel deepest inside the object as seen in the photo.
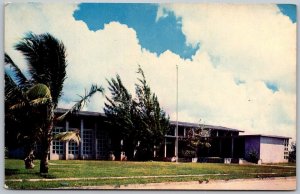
(154, 35)
(289, 10)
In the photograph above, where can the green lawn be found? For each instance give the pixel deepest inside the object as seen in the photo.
(101, 170)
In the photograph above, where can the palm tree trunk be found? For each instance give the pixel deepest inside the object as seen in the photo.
(46, 140)
(44, 158)
(28, 161)
(45, 149)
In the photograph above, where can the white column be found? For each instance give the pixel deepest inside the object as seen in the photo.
(81, 136)
(67, 143)
(165, 147)
(95, 141)
(51, 150)
(232, 147)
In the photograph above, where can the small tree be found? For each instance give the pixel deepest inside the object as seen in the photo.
(292, 154)
(139, 122)
(197, 139)
(154, 121)
(120, 110)
(253, 155)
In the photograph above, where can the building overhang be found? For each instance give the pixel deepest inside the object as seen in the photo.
(261, 135)
(196, 125)
(81, 113)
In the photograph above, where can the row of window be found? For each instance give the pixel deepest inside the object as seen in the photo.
(87, 139)
(87, 142)
(58, 147)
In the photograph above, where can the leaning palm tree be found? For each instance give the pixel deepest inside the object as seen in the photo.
(30, 99)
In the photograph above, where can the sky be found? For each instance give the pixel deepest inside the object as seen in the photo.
(236, 62)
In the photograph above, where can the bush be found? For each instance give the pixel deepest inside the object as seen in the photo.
(188, 153)
(253, 156)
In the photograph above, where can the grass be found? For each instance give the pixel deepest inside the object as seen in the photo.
(14, 169)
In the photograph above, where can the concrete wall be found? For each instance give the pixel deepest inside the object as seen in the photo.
(272, 150)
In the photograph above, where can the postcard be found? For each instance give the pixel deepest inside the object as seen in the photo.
(150, 96)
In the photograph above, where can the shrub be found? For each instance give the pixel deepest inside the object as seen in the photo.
(253, 156)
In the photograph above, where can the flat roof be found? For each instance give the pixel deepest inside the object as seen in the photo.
(262, 135)
(82, 113)
(195, 125)
(180, 123)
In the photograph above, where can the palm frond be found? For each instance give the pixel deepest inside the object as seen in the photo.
(38, 91)
(18, 106)
(46, 59)
(68, 136)
(39, 101)
(12, 91)
(20, 78)
(82, 102)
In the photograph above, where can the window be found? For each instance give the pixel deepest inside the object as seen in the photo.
(101, 143)
(87, 141)
(58, 146)
(73, 147)
(286, 149)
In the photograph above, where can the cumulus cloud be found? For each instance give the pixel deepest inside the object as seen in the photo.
(252, 44)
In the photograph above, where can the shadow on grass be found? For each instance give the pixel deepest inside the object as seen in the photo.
(10, 172)
(47, 176)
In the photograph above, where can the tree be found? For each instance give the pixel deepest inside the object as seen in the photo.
(140, 122)
(30, 100)
(292, 154)
(197, 140)
(121, 113)
(154, 121)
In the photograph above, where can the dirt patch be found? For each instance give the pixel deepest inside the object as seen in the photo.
(288, 183)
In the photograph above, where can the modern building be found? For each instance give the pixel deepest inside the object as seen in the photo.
(225, 142)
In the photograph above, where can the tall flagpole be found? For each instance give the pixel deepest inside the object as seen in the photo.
(176, 131)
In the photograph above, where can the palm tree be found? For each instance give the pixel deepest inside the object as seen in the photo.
(30, 99)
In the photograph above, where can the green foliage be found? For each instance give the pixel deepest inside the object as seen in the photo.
(292, 154)
(154, 120)
(197, 140)
(140, 122)
(253, 155)
(30, 100)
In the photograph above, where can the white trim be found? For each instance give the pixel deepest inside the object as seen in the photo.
(81, 135)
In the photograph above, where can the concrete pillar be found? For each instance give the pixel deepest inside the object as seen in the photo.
(95, 142)
(232, 146)
(165, 147)
(220, 147)
(51, 150)
(67, 143)
(82, 140)
(96, 145)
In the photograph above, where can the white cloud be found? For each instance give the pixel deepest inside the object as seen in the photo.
(253, 44)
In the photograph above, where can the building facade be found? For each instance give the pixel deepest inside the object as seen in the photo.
(225, 142)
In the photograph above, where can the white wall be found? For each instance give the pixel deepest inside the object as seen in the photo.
(272, 150)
